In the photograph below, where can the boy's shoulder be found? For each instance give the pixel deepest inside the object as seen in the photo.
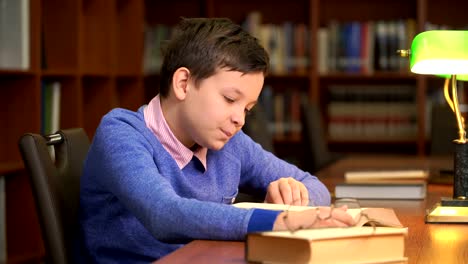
(119, 118)
(124, 115)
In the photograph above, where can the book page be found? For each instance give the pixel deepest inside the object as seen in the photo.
(378, 216)
(363, 216)
(335, 232)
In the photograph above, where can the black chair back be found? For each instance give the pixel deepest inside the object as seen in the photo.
(56, 186)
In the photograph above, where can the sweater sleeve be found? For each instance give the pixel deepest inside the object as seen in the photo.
(261, 167)
(262, 220)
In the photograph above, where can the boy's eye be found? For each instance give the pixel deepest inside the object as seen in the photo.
(228, 99)
(247, 111)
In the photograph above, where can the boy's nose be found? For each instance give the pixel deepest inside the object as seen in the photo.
(238, 118)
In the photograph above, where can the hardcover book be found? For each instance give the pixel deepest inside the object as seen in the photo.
(382, 190)
(328, 245)
(384, 242)
(386, 175)
(383, 184)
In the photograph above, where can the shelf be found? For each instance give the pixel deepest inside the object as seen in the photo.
(274, 12)
(363, 141)
(59, 73)
(375, 147)
(19, 73)
(403, 76)
(289, 77)
(11, 167)
(170, 12)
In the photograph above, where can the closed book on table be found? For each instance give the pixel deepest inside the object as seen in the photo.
(381, 190)
(383, 184)
(386, 175)
(328, 245)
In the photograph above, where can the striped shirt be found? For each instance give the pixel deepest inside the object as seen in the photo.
(155, 121)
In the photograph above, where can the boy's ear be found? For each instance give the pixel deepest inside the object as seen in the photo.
(180, 81)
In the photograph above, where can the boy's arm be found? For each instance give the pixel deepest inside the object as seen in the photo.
(261, 168)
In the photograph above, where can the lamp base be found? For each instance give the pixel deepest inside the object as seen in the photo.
(447, 201)
(449, 210)
(454, 210)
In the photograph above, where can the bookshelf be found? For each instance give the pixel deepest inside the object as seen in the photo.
(95, 50)
(408, 16)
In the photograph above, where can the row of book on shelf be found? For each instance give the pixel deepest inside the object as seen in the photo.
(50, 107)
(282, 111)
(287, 44)
(370, 112)
(363, 47)
(352, 46)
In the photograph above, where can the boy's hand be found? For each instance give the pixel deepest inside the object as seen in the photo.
(287, 191)
(314, 218)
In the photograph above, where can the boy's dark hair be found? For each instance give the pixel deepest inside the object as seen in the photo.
(204, 45)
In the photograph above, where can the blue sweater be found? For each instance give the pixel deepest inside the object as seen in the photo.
(136, 204)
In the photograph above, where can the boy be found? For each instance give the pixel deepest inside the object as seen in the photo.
(165, 175)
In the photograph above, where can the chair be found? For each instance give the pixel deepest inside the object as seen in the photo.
(56, 186)
(317, 154)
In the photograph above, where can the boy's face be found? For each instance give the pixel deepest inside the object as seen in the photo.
(215, 110)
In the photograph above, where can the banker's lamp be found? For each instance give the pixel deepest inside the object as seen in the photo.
(444, 53)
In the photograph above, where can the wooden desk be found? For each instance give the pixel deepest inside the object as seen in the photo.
(426, 243)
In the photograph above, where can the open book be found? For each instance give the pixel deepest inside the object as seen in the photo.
(363, 216)
(384, 243)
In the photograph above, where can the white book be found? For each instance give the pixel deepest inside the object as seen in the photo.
(323, 52)
(383, 190)
(55, 107)
(385, 175)
(14, 34)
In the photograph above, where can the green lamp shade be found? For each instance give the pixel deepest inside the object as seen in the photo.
(440, 52)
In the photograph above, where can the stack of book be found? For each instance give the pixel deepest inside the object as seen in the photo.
(383, 184)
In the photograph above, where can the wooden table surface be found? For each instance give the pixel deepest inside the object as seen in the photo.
(426, 243)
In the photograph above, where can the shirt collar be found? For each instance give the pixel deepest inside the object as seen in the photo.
(156, 122)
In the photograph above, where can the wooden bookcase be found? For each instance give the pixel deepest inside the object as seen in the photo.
(317, 14)
(94, 49)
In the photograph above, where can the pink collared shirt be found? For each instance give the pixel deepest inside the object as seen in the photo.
(156, 122)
